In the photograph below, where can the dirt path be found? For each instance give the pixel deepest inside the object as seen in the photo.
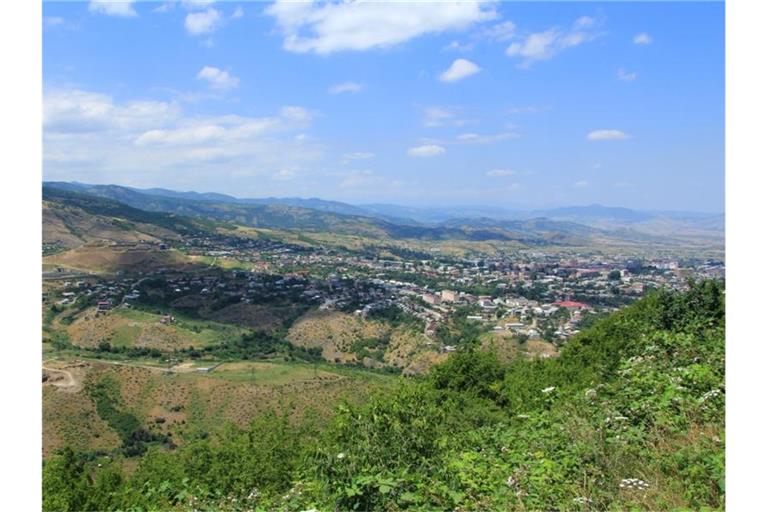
(68, 383)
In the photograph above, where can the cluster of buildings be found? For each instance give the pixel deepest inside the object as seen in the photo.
(535, 294)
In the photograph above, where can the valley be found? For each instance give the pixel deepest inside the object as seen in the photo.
(200, 319)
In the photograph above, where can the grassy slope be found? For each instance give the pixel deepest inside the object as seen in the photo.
(638, 396)
(124, 327)
(191, 402)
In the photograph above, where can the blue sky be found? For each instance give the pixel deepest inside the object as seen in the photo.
(520, 105)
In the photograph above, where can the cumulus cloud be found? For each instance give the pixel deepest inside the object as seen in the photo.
(217, 78)
(343, 26)
(238, 13)
(91, 136)
(626, 76)
(607, 135)
(642, 38)
(123, 8)
(460, 69)
(77, 111)
(544, 45)
(345, 87)
(426, 150)
(204, 22)
(581, 184)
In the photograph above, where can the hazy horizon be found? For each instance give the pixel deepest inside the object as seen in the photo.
(511, 105)
(436, 206)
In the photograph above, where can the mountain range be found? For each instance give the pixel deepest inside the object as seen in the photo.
(577, 225)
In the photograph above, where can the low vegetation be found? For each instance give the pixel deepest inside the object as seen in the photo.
(629, 416)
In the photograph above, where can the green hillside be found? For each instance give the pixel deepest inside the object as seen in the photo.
(629, 417)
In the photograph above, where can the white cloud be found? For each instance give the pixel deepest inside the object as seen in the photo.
(166, 6)
(238, 13)
(545, 45)
(500, 173)
(581, 184)
(205, 22)
(485, 139)
(345, 87)
(584, 21)
(331, 27)
(217, 78)
(296, 114)
(91, 137)
(501, 31)
(626, 76)
(460, 69)
(426, 150)
(456, 46)
(440, 116)
(642, 38)
(607, 135)
(76, 111)
(122, 8)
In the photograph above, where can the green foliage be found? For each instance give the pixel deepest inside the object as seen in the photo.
(106, 396)
(639, 395)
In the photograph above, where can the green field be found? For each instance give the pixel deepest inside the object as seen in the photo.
(271, 373)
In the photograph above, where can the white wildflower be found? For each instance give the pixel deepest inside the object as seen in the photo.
(634, 484)
(709, 394)
(341, 455)
(511, 482)
(548, 390)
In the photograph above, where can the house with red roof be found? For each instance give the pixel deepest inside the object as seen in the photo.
(570, 304)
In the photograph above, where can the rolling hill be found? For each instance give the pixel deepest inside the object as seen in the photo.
(187, 212)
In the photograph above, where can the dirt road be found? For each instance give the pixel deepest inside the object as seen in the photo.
(66, 380)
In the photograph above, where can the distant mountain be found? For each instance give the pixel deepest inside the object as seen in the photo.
(71, 219)
(577, 225)
(298, 202)
(438, 215)
(595, 212)
(279, 216)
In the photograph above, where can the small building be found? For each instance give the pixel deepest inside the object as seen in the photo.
(569, 304)
(449, 295)
(103, 306)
